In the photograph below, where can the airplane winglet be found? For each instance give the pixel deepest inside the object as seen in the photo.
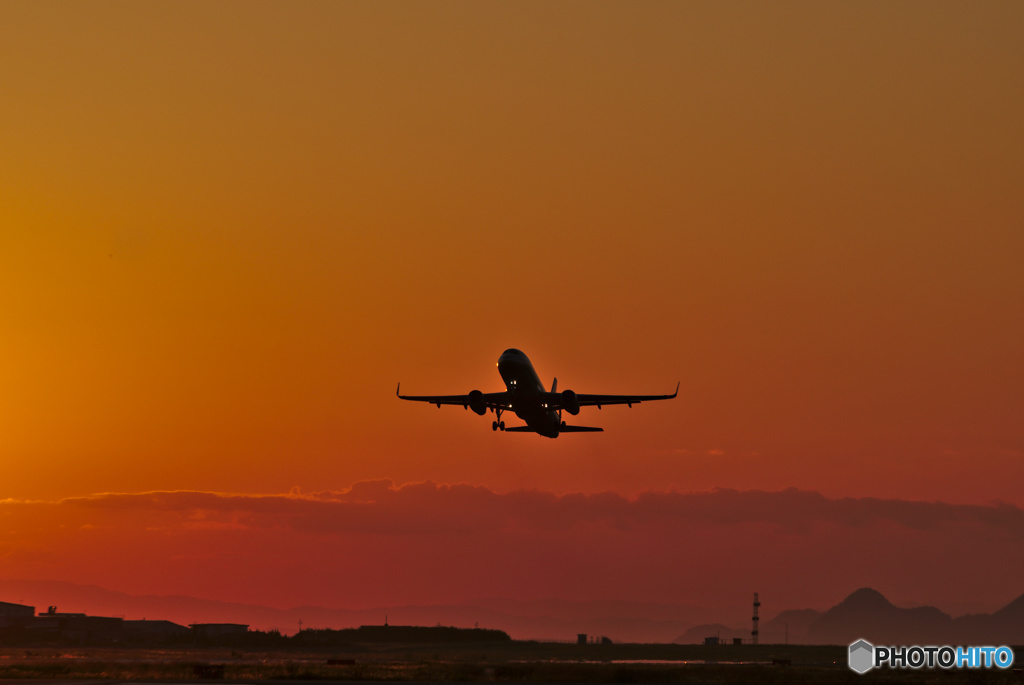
(677, 389)
(398, 389)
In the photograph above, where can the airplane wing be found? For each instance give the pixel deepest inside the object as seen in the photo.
(557, 400)
(493, 400)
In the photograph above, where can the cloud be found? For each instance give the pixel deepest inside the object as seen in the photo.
(422, 542)
(381, 507)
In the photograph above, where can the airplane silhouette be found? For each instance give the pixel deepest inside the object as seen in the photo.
(525, 396)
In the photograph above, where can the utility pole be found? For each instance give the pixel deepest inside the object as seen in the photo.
(753, 632)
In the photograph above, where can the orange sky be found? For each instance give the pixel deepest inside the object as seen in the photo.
(227, 230)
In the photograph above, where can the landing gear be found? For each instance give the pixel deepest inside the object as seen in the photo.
(495, 425)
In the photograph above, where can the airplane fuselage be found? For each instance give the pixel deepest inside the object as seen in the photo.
(527, 393)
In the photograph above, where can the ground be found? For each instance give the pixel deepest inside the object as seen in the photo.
(507, 662)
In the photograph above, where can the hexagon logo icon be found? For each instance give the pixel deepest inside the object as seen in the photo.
(862, 656)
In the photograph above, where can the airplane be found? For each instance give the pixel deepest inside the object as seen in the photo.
(525, 395)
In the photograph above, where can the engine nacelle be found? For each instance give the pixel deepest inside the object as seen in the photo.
(477, 402)
(570, 403)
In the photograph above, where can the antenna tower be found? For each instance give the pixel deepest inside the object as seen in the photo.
(753, 632)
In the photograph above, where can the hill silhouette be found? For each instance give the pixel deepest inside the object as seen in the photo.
(867, 614)
(789, 626)
(1005, 626)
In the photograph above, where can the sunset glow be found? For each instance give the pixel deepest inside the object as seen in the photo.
(227, 230)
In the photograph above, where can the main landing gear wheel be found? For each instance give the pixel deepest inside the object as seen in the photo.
(495, 425)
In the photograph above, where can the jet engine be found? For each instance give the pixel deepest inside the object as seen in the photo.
(477, 402)
(570, 403)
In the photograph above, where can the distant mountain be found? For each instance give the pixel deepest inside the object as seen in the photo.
(551, 619)
(1005, 626)
(789, 626)
(867, 614)
(1011, 619)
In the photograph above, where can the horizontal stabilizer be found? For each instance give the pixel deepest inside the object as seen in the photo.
(562, 429)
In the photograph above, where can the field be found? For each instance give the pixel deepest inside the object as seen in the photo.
(507, 662)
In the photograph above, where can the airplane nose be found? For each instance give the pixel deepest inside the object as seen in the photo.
(511, 353)
(511, 357)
